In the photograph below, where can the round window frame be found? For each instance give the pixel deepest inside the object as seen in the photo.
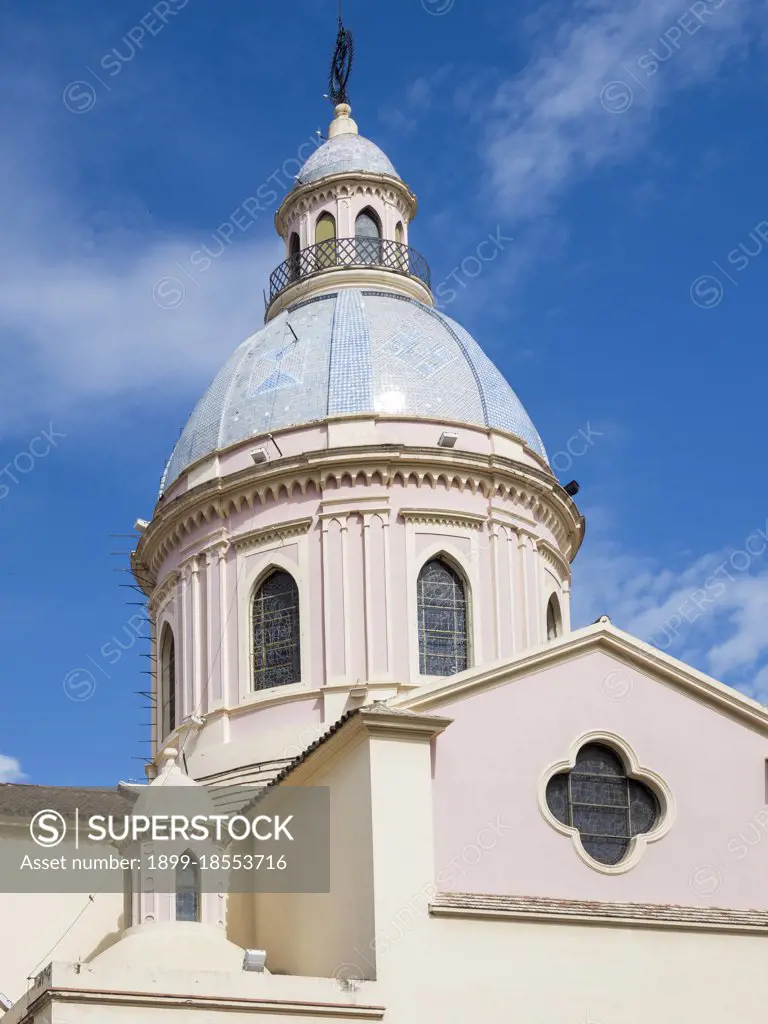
(637, 844)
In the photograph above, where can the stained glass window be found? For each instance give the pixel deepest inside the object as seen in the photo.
(188, 888)
(276, 645)
(168, 680)
(442, 611)
(599, 799)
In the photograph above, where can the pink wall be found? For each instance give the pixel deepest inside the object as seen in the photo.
(489, 762)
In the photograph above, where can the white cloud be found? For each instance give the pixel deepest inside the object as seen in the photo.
(710, 610)
(10, 770)
(596, 79)
(80, 324)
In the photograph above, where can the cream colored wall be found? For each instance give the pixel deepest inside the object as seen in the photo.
(315, 934)
(32, 923)
(460, 971)
(146, 993)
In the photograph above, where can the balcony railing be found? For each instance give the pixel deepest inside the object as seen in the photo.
(348, 252)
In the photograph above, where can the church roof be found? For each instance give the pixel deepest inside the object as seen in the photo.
(378, 707)
(20, 801)
(354, 351)
(347, 152)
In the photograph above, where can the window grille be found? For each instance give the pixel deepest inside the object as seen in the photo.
(599, 799)
(276, 645)
(442, 612)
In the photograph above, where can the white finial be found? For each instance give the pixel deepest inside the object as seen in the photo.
(342, 124)
(169, 756)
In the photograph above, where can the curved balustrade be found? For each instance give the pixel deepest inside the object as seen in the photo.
(348, 252)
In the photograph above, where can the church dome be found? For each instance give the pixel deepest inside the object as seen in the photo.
(346, 152)
(352, 351)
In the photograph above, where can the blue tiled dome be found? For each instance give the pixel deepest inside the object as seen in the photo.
(357, 352)
(345, 152)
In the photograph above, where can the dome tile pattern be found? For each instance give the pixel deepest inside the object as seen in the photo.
(357, 351)
(345, 153)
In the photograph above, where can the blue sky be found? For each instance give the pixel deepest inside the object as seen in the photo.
(619, 144)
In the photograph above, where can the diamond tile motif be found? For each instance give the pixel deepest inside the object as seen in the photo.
(351, 352)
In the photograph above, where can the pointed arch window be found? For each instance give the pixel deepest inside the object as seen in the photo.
(368, 237)
(276, 637)
(443, 620)
(554, 619)
(188, 888)
(168, 680)
(294, 256)
(325, 241)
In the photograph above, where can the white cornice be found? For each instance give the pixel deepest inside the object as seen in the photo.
(214, 1003)
(601, 636)
(522, 485)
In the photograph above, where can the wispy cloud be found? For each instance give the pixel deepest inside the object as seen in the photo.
(599, 75)
(709, 610)
(10, 770)
(80, 319)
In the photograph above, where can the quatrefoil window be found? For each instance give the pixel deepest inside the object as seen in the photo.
(600, 799)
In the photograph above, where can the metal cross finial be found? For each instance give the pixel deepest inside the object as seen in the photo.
(341, 66)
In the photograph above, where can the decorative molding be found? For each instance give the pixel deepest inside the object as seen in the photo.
(187, 1003)
(309, 197)
(208, 541)
(280, 531)
(438, 517)
(352, 728)
(553, 557)
(381, 499)
(599, 636)
(530, 489)
(344, 512)
(638, 843)
(163, 592)
(588, 912)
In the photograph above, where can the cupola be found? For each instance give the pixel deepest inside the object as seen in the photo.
(346, 222)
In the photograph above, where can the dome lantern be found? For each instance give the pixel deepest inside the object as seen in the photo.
(345, 223)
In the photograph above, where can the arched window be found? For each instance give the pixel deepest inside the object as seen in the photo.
(275, 621)
(443, 626)
(599, 799)
(325, 240)
(188, 888)
(368, 237)
(294, 257)
(399, 233)
(168, 680)
(554, 619)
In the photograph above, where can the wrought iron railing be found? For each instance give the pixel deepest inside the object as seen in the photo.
(348, 252)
